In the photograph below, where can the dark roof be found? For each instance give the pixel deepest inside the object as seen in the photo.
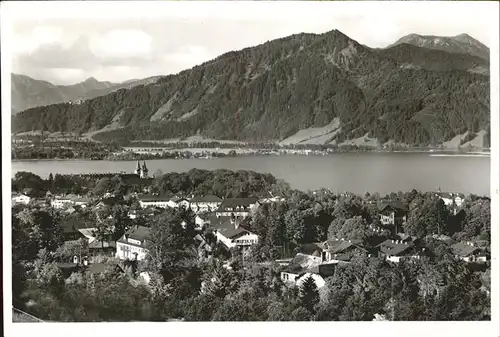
(324, 269)
(207, 198)
(72, 224)
(394, 204)
(339, 246)
(96, 244)
(154, 198)
(228, 228)
(139, 233)
(239, 202)
(464, 249)
(314, 249)
(302, 262)
(407, 237)
(391, 248)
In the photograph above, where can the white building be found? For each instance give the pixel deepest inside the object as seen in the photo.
(238, 207)
(397, 250)
(20, 199)
(61, 202)
(156, 201)
(304, 266)
(451, 199)
(208, 203)
(202, 221)
(69, 200)
(231, 234)
(132, 245)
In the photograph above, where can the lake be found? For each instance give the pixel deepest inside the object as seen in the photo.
(353, 172)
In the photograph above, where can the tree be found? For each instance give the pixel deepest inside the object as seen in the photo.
(202, 308)
(32, 230)
(172, 247)
(477, 220)
(50, 181)
(295, 229)
(232, 310)
(354, 228)
(120, 221)
(218, 281)
(103, 186)
(300, 314)
(71, 248)
(276, 312)
(309, 294)
(27, 180)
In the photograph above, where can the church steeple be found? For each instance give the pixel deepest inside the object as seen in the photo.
(138, 169)
(144, 171)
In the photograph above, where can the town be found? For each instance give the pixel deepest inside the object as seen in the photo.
(223, 245)
(73, 147)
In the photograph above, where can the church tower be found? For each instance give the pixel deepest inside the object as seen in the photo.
(144, 171)
(138, 169)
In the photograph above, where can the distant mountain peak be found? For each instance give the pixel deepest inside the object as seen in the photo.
(91, 80)
(463, 43)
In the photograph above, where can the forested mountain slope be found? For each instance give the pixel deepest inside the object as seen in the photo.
(269, 92)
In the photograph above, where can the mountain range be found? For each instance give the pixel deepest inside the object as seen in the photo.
(28, 92)
(305, 88)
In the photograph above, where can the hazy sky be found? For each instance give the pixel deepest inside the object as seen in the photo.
(65, 43)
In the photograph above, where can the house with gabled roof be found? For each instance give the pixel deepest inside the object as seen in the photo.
(237, 207)
(396, 250)
(133, 244)
(18, 198)
(313, 249)
(392, 212)
(451, 199)
(468, 252)
(303, 266)
(89, 233)
(342, 250)
(207, 203)
(229, 231)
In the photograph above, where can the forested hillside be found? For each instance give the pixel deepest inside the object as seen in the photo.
(406, 94)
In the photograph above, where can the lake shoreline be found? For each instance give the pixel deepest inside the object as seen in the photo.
(265, 153)
(355, 172)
